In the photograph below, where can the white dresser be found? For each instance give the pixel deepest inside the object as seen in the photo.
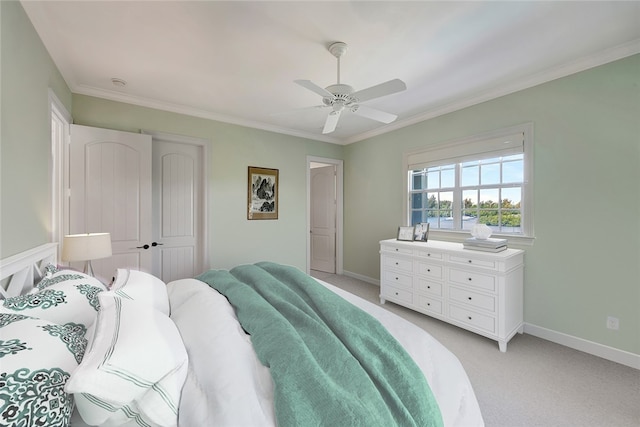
(478, 291)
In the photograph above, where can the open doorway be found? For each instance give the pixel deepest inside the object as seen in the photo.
(324, 215)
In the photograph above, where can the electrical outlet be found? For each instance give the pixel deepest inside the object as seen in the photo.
(613, 323)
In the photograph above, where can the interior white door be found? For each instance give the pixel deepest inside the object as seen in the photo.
(177, 177)
(323, 218)
(110, 191)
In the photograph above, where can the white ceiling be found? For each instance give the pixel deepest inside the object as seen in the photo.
(236, 61)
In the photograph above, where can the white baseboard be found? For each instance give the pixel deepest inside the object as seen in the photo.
(361, 277)
(590, 347)
(600, 350)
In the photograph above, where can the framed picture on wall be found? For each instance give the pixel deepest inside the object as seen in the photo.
(405, 233)
(421, 232)
(262, 193)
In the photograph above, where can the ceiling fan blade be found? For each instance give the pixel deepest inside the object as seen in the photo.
(308, 84)
(377, 115)
(383, 89)
(332, 121)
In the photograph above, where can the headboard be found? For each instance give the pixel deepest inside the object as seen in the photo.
(20, 272)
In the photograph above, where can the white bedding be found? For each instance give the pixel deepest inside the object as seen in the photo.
(228, 386)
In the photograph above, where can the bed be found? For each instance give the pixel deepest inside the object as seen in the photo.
(139, 352)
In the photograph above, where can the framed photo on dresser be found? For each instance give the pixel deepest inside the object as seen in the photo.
(421, 232)
(405, 233)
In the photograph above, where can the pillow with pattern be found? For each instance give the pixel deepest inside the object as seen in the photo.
(64, 296)
(55, 274)
(37, 358)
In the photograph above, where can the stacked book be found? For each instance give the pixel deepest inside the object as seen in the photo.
(486, 245)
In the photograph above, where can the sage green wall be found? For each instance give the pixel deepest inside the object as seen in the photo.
(25, 137)
(584, 264)
(232, 239)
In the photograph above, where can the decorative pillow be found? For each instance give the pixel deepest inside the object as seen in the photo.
(64, 296)
(142, 287)
(55, 274)
(36, 360)
(134, 368)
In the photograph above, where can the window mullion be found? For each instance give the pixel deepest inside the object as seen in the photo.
(457, 198)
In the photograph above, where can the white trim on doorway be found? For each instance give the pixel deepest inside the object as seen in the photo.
(339, 164)
(60, 121)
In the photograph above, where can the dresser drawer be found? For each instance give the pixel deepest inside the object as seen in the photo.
(432, 271)
(398, 279)
(473, 262)
(423, 253)
(474, 299)
(399, 264)
(397, 250)
(429, 304)
(429, 287)
(397, 294)
(467, 278)
(477, 320)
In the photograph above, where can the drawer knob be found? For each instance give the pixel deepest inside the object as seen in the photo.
(428, 287)
(470, 261)
(428, 303)
(428, 254)
(396, 263)
(396, 293)
(428, 270)
(469, 298)
(469, 278)
(396, 249)
(397, 278)
(469, 317)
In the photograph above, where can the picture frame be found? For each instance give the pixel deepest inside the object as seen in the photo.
(405, 233)
(262, 193)
(421, 232)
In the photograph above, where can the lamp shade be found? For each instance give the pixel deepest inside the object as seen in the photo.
(85, 247)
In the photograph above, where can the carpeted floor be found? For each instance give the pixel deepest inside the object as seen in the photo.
(536, 382)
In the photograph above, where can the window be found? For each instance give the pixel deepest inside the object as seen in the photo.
(484, 179)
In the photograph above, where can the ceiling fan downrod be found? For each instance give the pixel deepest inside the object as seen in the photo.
(338, 49)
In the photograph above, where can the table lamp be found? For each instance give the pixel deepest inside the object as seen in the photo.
(86, 247)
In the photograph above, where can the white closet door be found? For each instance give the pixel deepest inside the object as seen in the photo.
(110, 191)
(323, 219)
(177, 218)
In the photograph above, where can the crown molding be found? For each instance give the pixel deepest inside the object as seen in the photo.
(564, 70)
(194, 112)
(569, 68)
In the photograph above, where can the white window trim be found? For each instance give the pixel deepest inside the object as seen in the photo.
(59, 169)
(527, 200)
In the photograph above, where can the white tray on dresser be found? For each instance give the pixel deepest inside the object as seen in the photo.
(475, 290)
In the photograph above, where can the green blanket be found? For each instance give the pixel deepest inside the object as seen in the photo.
(332, 364)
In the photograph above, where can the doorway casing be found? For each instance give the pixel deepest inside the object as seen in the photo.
(339, 209)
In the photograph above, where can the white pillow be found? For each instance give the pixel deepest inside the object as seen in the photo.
(134, 367)
(66, 296)
(142, 287)
(36, 360)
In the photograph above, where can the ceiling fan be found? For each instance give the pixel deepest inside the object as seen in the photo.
(341, 97)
